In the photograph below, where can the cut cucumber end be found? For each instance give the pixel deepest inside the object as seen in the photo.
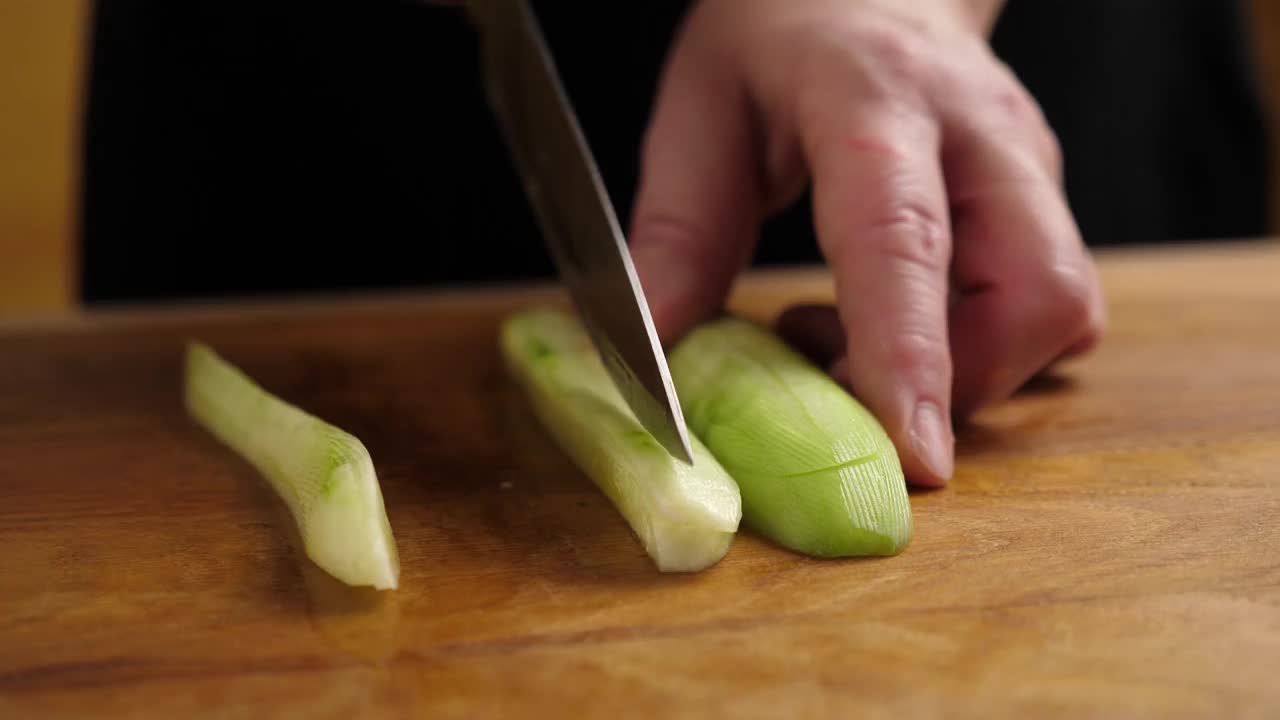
(323, 474)
(349, 511)
(684, 516)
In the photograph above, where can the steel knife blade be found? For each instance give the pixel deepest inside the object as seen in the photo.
(575, 214)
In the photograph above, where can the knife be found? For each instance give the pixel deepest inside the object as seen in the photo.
(574, 212)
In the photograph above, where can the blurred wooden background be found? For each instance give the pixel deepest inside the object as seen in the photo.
(42, 51)
(42, 69)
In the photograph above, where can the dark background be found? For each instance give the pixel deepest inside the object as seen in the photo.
(264, 147)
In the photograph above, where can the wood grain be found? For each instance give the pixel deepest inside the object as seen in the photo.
(1109, 547)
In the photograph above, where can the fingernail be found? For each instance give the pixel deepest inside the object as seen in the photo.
(932, 441)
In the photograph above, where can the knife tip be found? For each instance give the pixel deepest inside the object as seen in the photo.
(679, 447)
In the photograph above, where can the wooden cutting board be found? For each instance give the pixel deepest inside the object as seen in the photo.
(1110, 546)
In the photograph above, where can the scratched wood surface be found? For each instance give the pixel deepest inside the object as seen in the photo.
(1110, 546)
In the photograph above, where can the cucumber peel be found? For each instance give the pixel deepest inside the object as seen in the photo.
(817, 471)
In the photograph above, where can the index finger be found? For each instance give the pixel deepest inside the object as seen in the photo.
(880, 211)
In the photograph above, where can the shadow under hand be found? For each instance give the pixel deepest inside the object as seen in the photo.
(1049, 382)
(976, 437)
(973, 439)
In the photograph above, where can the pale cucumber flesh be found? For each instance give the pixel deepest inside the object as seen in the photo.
(684, 515)
(324, 475)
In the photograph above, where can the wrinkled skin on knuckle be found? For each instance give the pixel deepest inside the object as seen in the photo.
(873, 57)
(909, 234)
(894, 54)
(805, 65)
(1050, 150)
(1011, 109)
(1069, 301)
(918, 355)
(1006, 95)
(913, 234)
(1021, 111)
(910, 252)
(898, 192)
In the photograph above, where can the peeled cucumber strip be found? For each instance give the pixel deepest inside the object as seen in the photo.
(685, 515)
(817, 472)
(324, 475)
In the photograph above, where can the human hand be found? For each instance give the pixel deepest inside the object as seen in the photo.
(959, 270)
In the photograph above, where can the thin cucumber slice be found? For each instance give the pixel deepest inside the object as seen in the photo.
(323, 474)
(684, 515)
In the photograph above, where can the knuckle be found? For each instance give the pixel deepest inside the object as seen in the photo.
(838, 138)
(1012, 109)
(1068, 301)
(1094, 326)
(879, 61)
(1051, 152)
(1014, 102)
(1007, 94)
(912, 233)
(897, 53)
(919, 354)
(1035, 127)
(669, 232)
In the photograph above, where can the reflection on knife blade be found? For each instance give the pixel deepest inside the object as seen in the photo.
(575, 214)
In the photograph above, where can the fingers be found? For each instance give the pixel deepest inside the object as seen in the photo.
(697, 213)
(1028, 293)
(880, 211)
(904, 153)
